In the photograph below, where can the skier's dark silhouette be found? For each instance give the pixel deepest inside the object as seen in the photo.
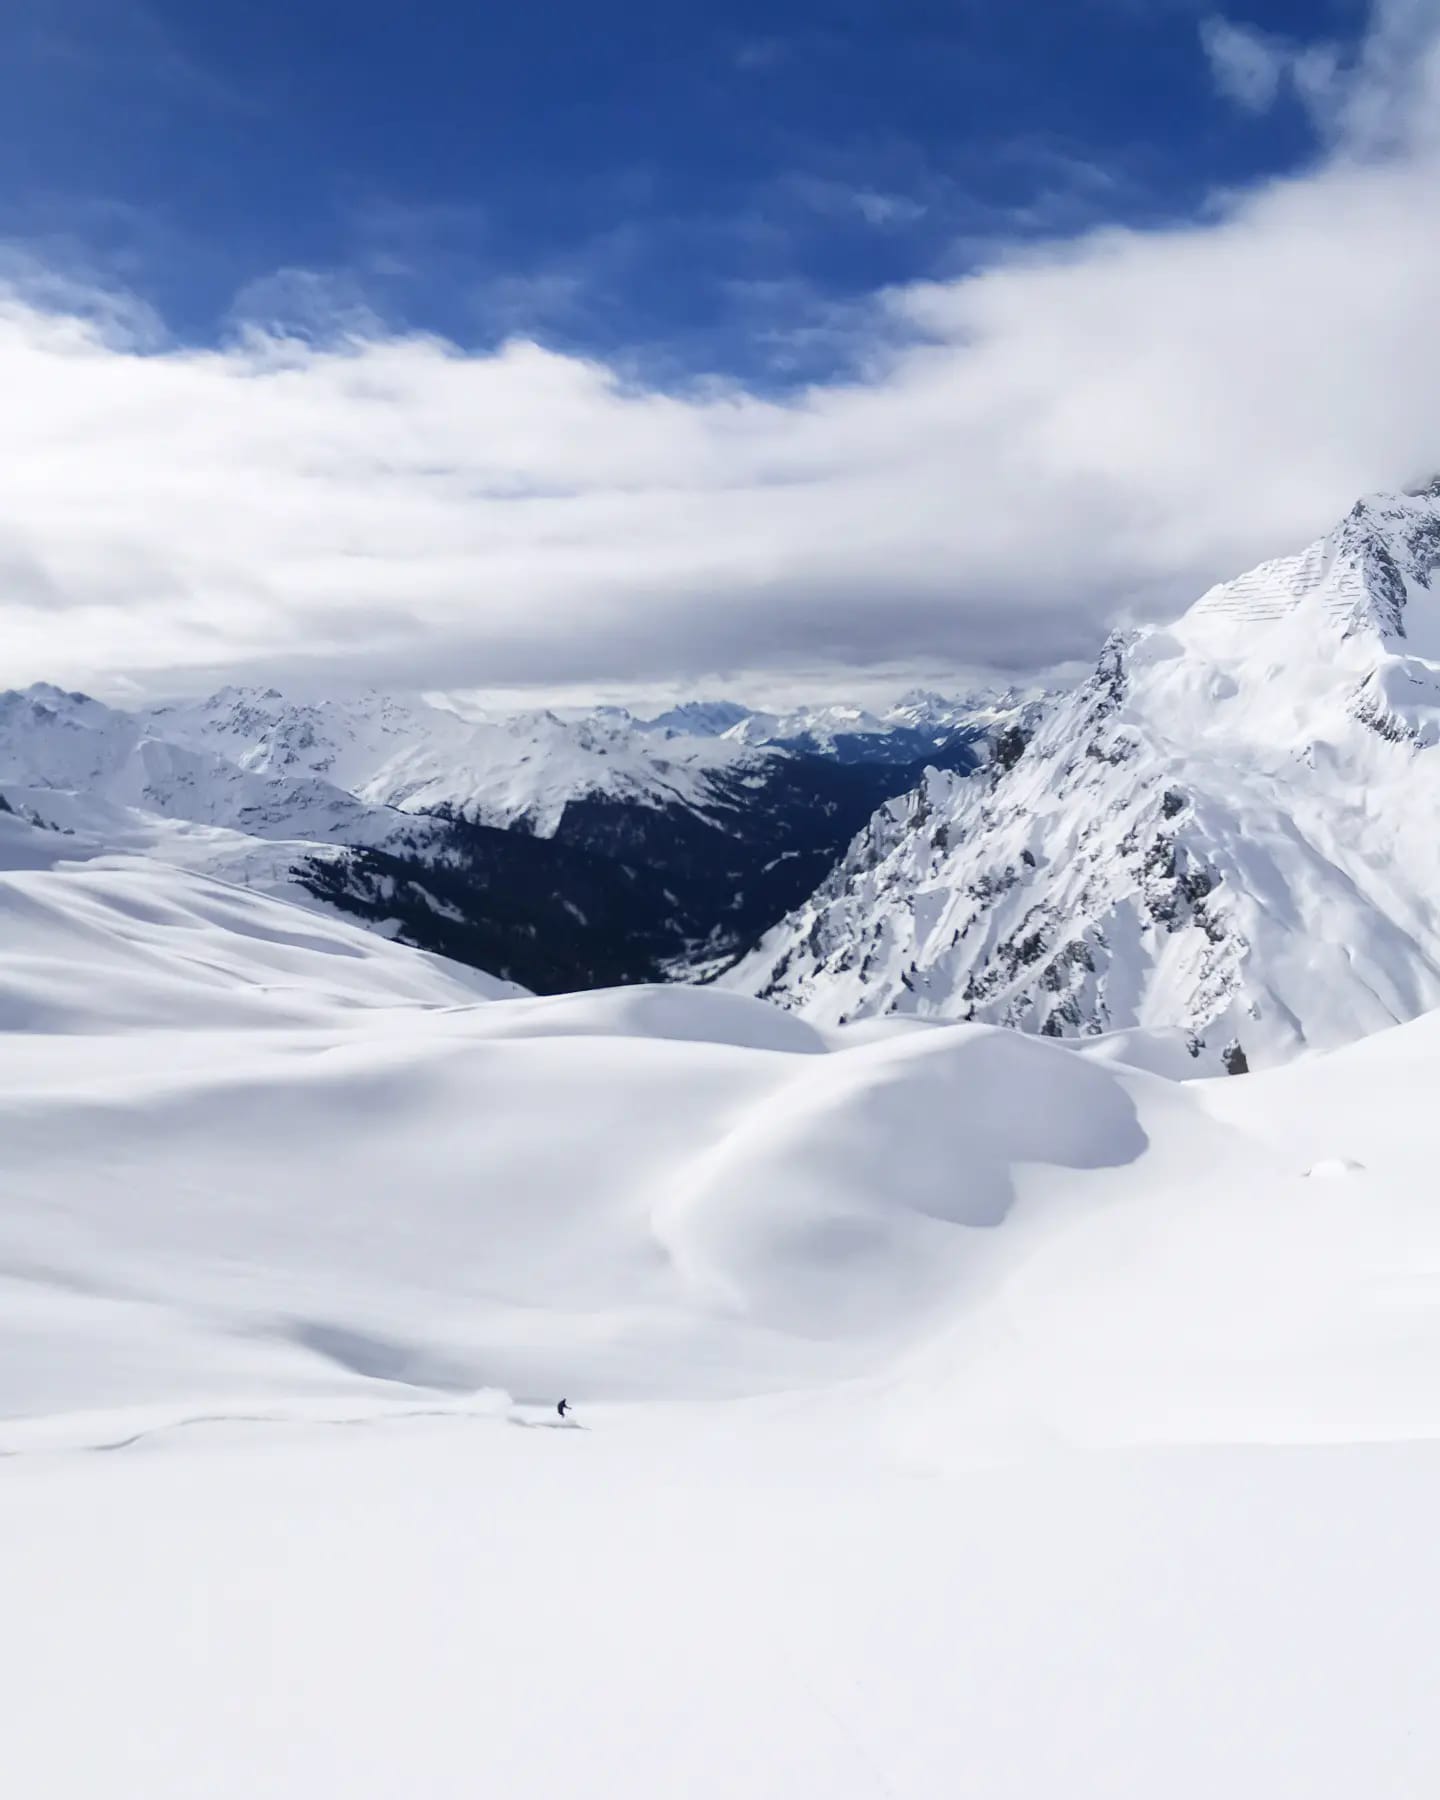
(563, 1408)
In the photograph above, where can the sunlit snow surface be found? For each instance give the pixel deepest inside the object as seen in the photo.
(954, 1414)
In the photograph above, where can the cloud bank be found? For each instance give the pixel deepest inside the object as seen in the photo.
(1075, 435)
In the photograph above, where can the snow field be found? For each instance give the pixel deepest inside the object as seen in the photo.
(955, 1413)
(250, 1147)
(255, 1155)
(450, 1610)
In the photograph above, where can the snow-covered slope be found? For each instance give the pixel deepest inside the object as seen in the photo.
(1228, 830)
(930, 1381)
(58, 749)
(250, 1153)
(96, 942)
(255, 1156)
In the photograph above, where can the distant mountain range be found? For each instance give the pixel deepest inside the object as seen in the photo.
(557, 850)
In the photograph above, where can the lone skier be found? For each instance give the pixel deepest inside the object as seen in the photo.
(563, 1408)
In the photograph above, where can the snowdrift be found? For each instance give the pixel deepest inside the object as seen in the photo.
(251, 1151)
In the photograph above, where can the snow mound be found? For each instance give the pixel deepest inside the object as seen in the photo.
(831, 1209)
(259, 1162)
(258, 1154)
(677, 1013)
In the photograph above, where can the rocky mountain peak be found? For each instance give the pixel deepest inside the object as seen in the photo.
(1225, 831)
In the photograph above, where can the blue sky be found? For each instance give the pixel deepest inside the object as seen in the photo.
(797, 348)
(695, 188)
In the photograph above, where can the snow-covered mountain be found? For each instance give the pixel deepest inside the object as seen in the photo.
(920, 725)
(885, 734)
(522, 768)
(526, 768)
(56, 743)
(559, 850)
(697, 718)
(1228, 830)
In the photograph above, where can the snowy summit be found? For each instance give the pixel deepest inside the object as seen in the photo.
(1225, 832)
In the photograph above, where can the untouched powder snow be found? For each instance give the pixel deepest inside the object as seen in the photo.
(660, 1192)
(96, 943)
(449, 1610)
(1225, 832)
(953, 1413)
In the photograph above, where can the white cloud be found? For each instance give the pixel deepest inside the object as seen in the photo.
(1379, 99)
(1391, 101)
(1248, 64)
(1092, 429)
(305, 303)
